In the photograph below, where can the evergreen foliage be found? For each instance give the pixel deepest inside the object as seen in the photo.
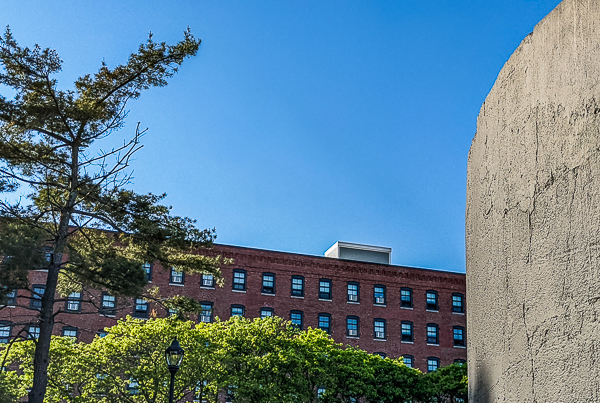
(65, 209)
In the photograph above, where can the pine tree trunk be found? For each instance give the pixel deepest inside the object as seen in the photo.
(42, 349)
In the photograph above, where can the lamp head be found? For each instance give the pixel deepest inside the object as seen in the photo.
(174, 355)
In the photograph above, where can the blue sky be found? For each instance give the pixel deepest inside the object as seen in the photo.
(302, 123)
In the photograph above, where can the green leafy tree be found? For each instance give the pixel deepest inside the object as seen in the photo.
(261, 360)
(352, 376)
(393, 381)
(127, 365)
(270, 360)
(446, 385)
(65, 209)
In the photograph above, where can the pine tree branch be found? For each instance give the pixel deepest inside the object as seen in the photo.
(49, 133)
(56, 104)
(99, 217)
(32, 182)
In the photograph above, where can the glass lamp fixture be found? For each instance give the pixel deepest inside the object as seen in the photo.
(174, 355)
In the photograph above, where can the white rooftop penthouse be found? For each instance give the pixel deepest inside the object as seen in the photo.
(360, 252)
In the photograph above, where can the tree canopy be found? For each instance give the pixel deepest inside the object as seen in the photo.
(65, 208)
(253, 361)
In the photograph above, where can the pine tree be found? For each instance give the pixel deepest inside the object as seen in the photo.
(66, 210)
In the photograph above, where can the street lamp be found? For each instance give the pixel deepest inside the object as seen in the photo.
(174, 356)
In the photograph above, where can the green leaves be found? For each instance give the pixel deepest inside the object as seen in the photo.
(261, 361)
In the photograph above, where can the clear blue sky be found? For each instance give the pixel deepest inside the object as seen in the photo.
(301, 123)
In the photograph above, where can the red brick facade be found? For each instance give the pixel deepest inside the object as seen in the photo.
(308, 271)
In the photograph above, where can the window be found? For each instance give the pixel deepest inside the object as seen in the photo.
(297, 318)
(237, 310)
(5, 330)
(433, 363)
(320, 392)
(69, 331)
(230, 396)
(200, 392)
(208, 280)
(172, 312)
(459, 336)
(239, 280)
(109, 304)
(432, 333)
(133, 387)
(408, 360)
(379, 295)
(325, 289)
(268, 283)
(325, 322)
(74, 302)
(297, 286)
(206, 312)
(352, 329)
(141, 308)
(406, 300)
(460, 361)
(102, 333)
(382, 355)
(407, 331)
(48, 253)
(36, 300)
(177, 277)
(148, 270)
(33, 332)
(432, 300)
(379, 329)
(457, 303)
(353, 292)
(11, 298)
(266, 313)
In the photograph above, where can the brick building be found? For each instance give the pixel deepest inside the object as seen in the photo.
(353, 293)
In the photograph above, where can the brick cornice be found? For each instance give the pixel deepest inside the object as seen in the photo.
(255, 257)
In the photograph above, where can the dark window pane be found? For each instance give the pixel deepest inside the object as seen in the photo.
(407, 331)
(379, 295)
(459, 336)
(432, 301)
(296, 318)
(206, 312)
(352, 326)
(325, 289)
(208, 280)
(268, 284)
(406, 298)
(239, 280)
(432, 334)
(352, 292)
(457, 303)
(325, 323)
(379, 329)
(432, 364)
(38, 292)
(297, 286)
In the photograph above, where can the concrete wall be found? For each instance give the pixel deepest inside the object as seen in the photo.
(533, 219)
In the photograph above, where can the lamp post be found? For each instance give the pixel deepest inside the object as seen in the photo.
(174, 356)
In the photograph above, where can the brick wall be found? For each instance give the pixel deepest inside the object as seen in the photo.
(255, 262)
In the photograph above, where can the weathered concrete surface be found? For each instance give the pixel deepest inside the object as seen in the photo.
(533, 219)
